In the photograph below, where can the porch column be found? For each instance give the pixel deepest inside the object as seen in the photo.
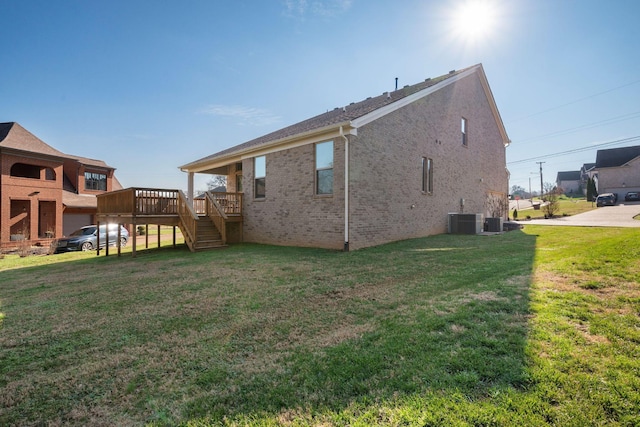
(190, 188)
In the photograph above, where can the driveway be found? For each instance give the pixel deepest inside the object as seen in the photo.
(608, 216)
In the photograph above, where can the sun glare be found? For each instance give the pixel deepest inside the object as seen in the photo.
(475, 20)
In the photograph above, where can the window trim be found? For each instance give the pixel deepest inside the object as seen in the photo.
(322, 169)
(256, 178)
(464, 128)
(427, 175)
(97, 178)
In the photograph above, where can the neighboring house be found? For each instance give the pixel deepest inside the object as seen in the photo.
(388, 168)
(45, 193)
(570, 182)
(588, 170)
(618, 170)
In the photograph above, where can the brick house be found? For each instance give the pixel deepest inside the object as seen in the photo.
(388, 168)
(45, 193)
(618, 170)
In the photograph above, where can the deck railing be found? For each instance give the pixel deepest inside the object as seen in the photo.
(216, 213)
(161, 203)
(154, 201)
(231, 203)
(139, 201)
(188, 218)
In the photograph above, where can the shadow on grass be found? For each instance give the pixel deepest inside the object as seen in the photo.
(252, 332)
(461, 327)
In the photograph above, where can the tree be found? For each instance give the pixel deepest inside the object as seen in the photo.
(517, 190)
(497, 205)
(591, 190)
(549, 187)
(552, 206)
(217, 181)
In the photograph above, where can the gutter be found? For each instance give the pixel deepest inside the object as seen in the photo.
(238, 154)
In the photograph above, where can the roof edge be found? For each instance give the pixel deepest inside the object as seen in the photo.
(207, 163)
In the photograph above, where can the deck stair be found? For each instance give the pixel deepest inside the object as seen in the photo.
(203, 220)
(208, 236)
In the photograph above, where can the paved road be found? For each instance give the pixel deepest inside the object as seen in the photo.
(608, 216)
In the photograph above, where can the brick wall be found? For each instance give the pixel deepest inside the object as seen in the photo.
(291, 213)
(386, 176)
(386, 202)
(25, 195)
(611, 180)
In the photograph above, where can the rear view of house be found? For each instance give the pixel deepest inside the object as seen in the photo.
(45, 193)
(388, 168)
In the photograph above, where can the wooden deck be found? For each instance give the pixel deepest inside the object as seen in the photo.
(203, 223)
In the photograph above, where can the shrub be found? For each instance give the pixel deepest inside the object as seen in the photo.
(552, 206)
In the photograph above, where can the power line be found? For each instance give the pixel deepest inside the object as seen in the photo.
(573, 102)
(581, 127)
(577, 150)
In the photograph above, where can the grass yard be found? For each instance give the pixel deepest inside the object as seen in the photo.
(566, 206)
(529, 328)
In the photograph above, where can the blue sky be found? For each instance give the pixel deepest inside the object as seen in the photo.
(148, 86)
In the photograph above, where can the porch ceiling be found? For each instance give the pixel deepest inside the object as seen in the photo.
(222, 170)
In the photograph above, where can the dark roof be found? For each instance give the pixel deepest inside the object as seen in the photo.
(338, 115)
(91, 162)
(588, 166)
(568, 176)
(14, 136)
(615, 157)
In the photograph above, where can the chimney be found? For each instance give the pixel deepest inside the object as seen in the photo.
(396, 83)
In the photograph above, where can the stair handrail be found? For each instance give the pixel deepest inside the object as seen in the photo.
(216, 213)
(188, 219)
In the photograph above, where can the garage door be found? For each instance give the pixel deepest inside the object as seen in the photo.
(71, 222)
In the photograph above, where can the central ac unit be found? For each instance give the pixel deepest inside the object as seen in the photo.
(465, 223)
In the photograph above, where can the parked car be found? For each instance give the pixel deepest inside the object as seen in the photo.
(606, 199)
(632, 196)
(86, 238)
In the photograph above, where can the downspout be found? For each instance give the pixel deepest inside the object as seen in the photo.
(346, 190)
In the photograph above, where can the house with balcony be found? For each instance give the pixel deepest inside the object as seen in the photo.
(45, 193)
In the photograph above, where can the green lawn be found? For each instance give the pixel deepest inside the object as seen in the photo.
(533, 327)
(567, 206)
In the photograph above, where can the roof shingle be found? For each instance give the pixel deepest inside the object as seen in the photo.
(336, 116)
(614, 157)
(568, 176)
(14, 136)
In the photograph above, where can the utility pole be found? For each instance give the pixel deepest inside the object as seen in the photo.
(541, 185)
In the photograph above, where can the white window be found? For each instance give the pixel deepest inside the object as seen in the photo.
(324, 168)
(260, 176)
(95, 181)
